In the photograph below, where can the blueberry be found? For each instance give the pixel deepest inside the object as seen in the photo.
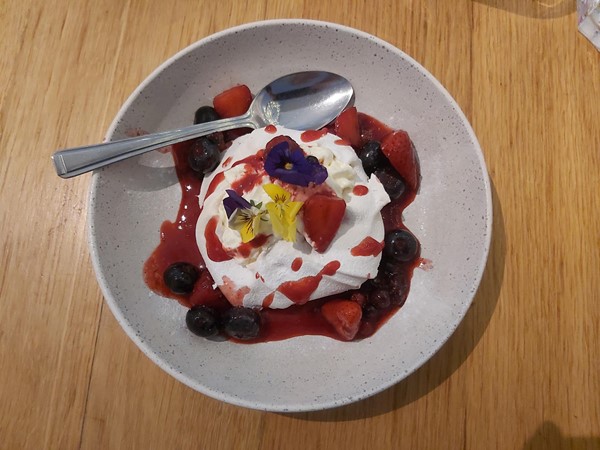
(371, 157)
(181, 277)
(202, 321)
(401, 246)
(380, 281)
(204, 156)
(241, 323)
(368, 286)
(392, 182)
(399, 286)
(205, 114)
(312, 159)
(380, 298)
(369, 313)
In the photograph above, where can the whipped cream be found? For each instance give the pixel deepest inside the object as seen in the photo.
(279, 273)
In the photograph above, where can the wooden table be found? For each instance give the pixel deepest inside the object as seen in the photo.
(522, 370)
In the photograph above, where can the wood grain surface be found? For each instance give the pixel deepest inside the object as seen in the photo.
(521, 371)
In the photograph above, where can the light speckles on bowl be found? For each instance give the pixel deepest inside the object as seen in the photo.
(452, 217)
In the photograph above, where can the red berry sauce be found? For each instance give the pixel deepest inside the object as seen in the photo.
(367, 247)
(178, 244)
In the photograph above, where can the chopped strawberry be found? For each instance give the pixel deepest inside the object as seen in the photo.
(400, 151)
(344, 316)
(346, 127)
(323, 216)
(233, 102)
(372, 129)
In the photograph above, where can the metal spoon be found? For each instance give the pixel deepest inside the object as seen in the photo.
(300, 101)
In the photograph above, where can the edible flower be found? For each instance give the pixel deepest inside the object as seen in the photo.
(290, 166)
(282, 212)
(242, 215)
(234, 201)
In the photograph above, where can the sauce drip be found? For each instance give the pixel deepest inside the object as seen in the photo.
(268, 300)
(299, 291)
(360, 190)
(312, 135)
(214, 247)
(367, 247)
(252, 177)
(296, 264)
(234, 295)
(244, 249)
(213, 184)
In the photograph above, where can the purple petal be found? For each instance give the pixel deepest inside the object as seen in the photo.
(319, 174)
(277, 157)
(234, 201)
(301, 173)
(292, 177)
(297, 158)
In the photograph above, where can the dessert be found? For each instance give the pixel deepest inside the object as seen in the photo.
(332, 220)
(282, 233)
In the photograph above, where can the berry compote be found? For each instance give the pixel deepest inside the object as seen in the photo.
(387, 153)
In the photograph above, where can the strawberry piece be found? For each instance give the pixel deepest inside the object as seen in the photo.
(400, 151)
(346, 126)
(323, 216)
(344, 316)
(372, 129)
(233, 102)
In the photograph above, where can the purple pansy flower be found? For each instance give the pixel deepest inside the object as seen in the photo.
(291, 166)
(234, 201)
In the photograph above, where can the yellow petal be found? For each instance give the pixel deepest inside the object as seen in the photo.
(276, 218)
(290, 210)
(277, 193)
(246, 224)
(290, 232)
(247, 232)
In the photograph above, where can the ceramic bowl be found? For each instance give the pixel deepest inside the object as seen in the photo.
(452, 217)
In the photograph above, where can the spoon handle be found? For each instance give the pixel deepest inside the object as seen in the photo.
(79, 160)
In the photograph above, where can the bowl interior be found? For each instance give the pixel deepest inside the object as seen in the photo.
(451, 216)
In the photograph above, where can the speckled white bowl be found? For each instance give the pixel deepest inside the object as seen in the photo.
(452, 216)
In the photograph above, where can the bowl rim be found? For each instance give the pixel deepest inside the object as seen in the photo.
(231, 399)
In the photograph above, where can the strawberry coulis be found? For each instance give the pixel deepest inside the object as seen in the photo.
(214, 247)
(299, 291)
(296, 264)
(245, 249)
(360, 189)
(178, 243)
(312, 135)
(367, 247)
(235, 295)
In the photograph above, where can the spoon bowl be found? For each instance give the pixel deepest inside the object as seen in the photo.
(303, 100)
(300, 101)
